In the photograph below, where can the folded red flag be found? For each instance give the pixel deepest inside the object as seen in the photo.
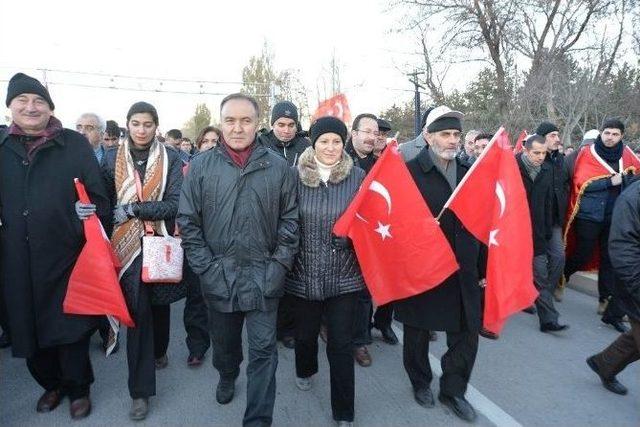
(93, 287)
(400, 247)
(503, 224)
(336, 106)
(520, 142)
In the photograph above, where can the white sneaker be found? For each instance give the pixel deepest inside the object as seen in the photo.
(303, 384)
(345, 424)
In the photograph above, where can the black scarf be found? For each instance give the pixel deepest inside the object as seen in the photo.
(609, 154)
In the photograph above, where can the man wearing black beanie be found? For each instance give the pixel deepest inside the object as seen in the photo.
(284, 139)
(40, 242)
(560, 193)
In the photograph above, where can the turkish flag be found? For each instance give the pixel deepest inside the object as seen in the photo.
(93, 287)
(400, 247)
(503, 223)
(336, 106)
(519, 143)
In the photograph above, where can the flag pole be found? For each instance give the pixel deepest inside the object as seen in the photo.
(473, 166)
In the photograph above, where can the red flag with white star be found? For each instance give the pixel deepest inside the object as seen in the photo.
(336, 106)
(492, 203)
(400, 247)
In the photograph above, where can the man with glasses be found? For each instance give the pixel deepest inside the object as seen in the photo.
(92, 127)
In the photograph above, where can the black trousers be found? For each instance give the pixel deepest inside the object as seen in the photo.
(64, 367)
(457, 363)
(226, 337)
(338, 312)
(620, 353)
(149, 339)
(195, 316)
(362, 318)
(383, 316)
(4, 318)
(590, 234)
(286, 319)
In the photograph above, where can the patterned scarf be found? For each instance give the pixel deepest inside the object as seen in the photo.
(53, 129)
(126, 239)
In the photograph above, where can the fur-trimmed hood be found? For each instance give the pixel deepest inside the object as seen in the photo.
(308, 168)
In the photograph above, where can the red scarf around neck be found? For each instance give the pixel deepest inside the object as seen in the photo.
(53, 129)
(240, 158)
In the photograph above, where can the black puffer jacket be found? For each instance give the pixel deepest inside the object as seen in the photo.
(239, 227)
(540, 198)
(326, 265)
(291, 151)
(624, 250)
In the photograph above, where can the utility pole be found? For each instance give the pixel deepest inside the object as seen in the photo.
(417, 87)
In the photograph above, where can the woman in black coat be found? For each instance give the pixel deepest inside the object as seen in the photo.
(160, 171)
(325, 276)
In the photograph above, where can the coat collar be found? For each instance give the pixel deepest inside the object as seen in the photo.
(58, 139)
(308, 169)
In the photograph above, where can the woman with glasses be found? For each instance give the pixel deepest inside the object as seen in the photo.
(325, 277)
(159, 170)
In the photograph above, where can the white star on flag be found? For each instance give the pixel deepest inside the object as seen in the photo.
(492, 237)
(383, 230)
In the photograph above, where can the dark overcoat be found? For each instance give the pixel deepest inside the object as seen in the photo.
(41, 236)
(456, 304)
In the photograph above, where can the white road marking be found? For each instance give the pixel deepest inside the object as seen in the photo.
(482, 403)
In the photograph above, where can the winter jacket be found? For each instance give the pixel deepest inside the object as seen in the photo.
(364, 163)
(540, 198)
(560, 175)
(41, 236)
(165, 209)
(239, 227)
(291, 150)
(624, 250)
(455, 305)
(326, 265)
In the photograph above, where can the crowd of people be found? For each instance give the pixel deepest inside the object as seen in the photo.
(255, 212)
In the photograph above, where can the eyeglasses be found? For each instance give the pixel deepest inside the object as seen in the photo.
(87, 128)
(369, 132)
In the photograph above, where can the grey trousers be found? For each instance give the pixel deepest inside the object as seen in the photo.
(547, 312)
(556, 257)
(226, 337)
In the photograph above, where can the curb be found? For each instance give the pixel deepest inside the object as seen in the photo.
(584, 282)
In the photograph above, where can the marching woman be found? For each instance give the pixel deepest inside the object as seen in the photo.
(208, 138)
(159, 169)
(326, 276)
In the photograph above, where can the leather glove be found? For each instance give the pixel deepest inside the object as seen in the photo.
(122, 214)
(84, 210)
(340, 242)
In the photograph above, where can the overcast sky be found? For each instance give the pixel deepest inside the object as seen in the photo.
(190, 40)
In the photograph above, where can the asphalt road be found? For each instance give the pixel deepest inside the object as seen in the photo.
(525, 378)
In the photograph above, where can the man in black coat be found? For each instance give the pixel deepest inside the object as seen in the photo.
(455, 305)
(555, 159)
(238, 218)
(284, 139)
(537, 179)
(624, 251)
(40, 240)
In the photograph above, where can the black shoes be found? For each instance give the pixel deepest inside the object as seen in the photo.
(617, 324)
(225, 391)
(553, 327)
(459, 406)
(424, 397)
(611, 384)
(388, 335)
(488, 334)
(5, 340)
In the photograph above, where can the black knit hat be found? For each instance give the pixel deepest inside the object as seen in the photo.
(613, 124)
(143, 107)
(546, 127)
(284, 109)
(325, 125)
(21, 83)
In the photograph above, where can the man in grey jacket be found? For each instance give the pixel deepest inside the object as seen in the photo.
(238, 218)
(410, 149)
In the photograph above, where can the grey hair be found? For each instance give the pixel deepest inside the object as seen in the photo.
(102, 124)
